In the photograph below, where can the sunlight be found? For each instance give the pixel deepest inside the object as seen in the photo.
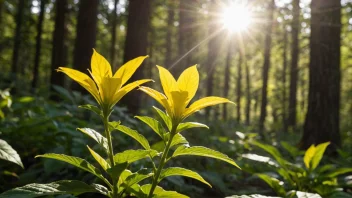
(236, 17)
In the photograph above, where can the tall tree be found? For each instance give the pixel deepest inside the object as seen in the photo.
(266, 66)
(17, 38)
(227, 77)
(213, 50)
(136, 44)
(284, 70)
(291, 121)
(59, 50)
(322, 118)
(38, 44)
(85, 36)
(248, 92)
(113, 35)
(239, 85)
(169, 33)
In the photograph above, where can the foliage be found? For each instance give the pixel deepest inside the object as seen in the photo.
(121, 181)
(287, 179)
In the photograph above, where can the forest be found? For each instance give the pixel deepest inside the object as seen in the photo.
(176, 98)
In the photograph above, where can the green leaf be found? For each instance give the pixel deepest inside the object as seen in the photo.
(101, 189)
(203, 151)
(116, 171)
(95, 136)
(9, 154)
(178, 139)
(54, 188)
(130, 156)
(135, 135)
(313, 155)
(153, 124)
(164, 117)
(188, 125)
(93, 108)
(136, 178)
(338, 172)
(174, 171)
(126, 173)
(294, 152)
(250, 196)
(273, 183)
(159, 146)
(99, 159)
(75, 161)
(160, 192)
(272, 151)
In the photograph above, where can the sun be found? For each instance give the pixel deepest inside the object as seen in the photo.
(236, 17)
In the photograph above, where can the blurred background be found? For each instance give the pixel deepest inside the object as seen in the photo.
(285, 63)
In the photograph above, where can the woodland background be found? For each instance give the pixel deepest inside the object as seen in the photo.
(289, 73)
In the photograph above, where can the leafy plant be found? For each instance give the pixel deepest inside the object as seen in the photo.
(309, 178)
(119, 181)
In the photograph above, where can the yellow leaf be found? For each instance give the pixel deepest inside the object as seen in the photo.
(83, 79)
(168, 82)
(188, 82)
(308, 156)
(100, 67)
(204, 102)
(109, 86)
(129, 87)
(99, 159)
(159, 97)
(126, 71)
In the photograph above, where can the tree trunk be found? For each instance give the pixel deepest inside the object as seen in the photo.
(239, 86)
(169, 33)
(266, 66)
(113, 36)
(227, 78)
(322, 118)
(38, 45)
(59, 51)
(284, 70)
(292, 107)
(136, 44)
(248, 93)
(17, 39)
(213, 50)
(85, 37)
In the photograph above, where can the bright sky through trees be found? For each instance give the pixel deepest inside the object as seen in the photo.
(236, 17)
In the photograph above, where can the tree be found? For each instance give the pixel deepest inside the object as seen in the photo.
(136, 44)
(59, 51)
(169, 33)
(248, 92)
(322, 118)
(291, 121)
(284, 71)
(85, 36)
(38, 44)
(113, 35)
(239, 84)
(266, 67)
(17, 39)
(227, 77)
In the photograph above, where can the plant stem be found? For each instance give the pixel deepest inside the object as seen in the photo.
(110, 152)
(162, 161)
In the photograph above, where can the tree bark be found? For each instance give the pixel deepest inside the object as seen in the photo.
(266, 66)
(136, 44)
(239, 86)
(38, 45)
(284, 71)
(17, 39)
(292, 114)
(113, 36)
(322, 118)
(248, 93)
(85, 37)
(213, 50)
(227, 77)
(59, 51)
(169, 33)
